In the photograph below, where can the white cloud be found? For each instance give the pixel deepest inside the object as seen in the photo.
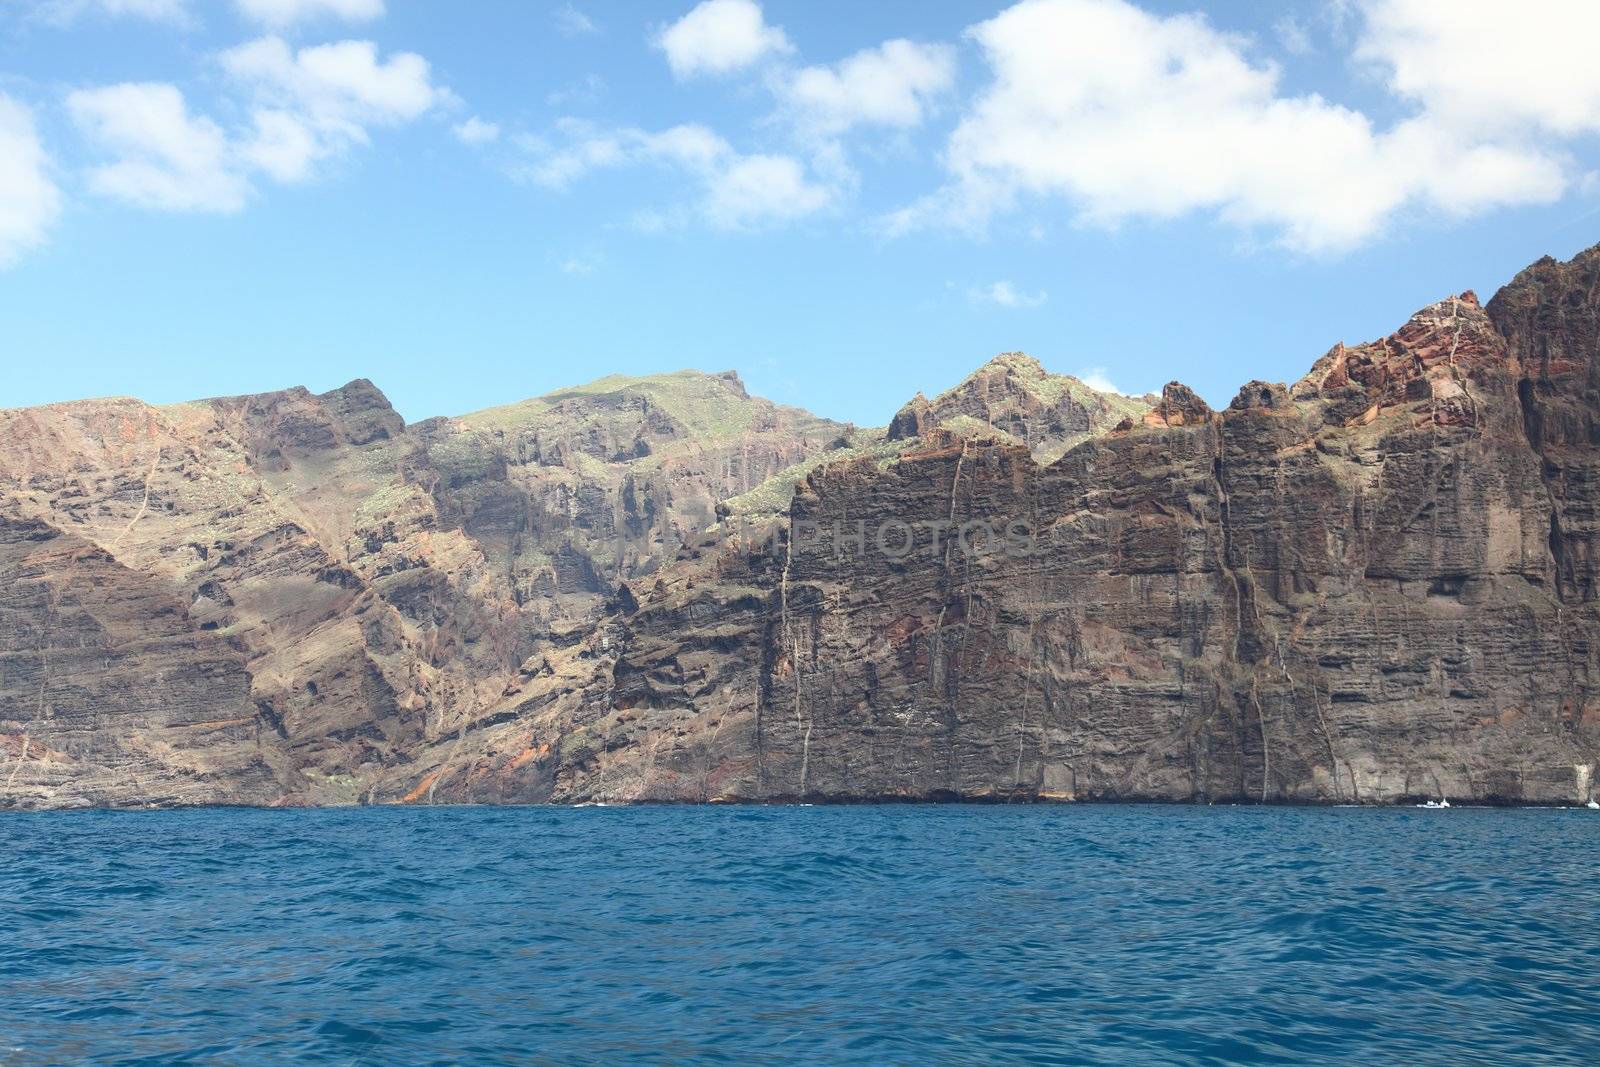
(476, 131)
(305, 107)
(29, 200)
(337, 86)
(1006, 295)
(587, 148)
(284, 13)
(737, 191)
(282, 145)
(721, 37)
(570, 22)
(1129, 115)
(1096, 378)
(890, 85)
(751, 190)
(168, 159)
(314, 103)
(1469, 65)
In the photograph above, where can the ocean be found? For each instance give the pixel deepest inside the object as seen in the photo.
(741, 935)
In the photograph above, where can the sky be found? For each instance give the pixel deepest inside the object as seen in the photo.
(472, 203)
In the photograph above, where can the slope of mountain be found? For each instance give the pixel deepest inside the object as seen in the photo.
(1374, 585)
(361, 586)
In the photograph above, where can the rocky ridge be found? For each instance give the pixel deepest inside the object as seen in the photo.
(1376, 584)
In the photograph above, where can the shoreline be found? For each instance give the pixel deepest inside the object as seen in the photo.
(1408, 804)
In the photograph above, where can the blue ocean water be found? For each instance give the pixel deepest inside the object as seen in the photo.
(845, 935)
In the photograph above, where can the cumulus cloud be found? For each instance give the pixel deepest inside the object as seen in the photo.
(1125, 114)
(750, 190)
(737, 191)
(340, 84)
(1004, 294)
(282, 144)
(29, 200)
(304, 106)
(890, 85)
(167, 159)
(1468, 65)
(281, 14)
(721, 37)
(476, 131)
(314, 103)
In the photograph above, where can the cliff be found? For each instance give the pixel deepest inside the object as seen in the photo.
(1376, 584)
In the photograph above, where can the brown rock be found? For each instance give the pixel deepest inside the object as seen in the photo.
(1374, 586)
(1179, 406)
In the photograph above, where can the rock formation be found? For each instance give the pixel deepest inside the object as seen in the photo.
(1375, 585)
(1015, 396)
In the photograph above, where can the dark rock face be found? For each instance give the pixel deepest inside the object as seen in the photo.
(111, 695)
(1375, 584)
(1550, 317)
(913, 420)
(1340, 592)
(1179, 406)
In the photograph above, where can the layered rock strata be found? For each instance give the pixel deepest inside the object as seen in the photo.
(1377, 584)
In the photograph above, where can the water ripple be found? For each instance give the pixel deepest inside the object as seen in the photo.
(845, 935)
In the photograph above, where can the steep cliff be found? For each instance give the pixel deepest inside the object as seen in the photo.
(350, 589)
(1371, 587)
(1374, 585)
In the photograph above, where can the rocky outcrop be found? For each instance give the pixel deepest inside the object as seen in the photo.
(1013, 395)
(1179, 406)
(913, 420)
(1375, 584)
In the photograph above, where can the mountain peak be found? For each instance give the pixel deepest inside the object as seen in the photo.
(1179, 406)
(1018, 361)
(912, 420)
(1014, 395)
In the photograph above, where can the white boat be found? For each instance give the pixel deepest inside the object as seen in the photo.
(1435, 804)
(1593, 805)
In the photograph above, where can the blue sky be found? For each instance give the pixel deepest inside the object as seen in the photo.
(845, 202)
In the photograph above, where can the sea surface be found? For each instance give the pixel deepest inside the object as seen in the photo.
(865, 935)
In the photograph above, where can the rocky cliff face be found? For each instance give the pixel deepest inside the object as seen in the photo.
(1374, 585)
(338, 588)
